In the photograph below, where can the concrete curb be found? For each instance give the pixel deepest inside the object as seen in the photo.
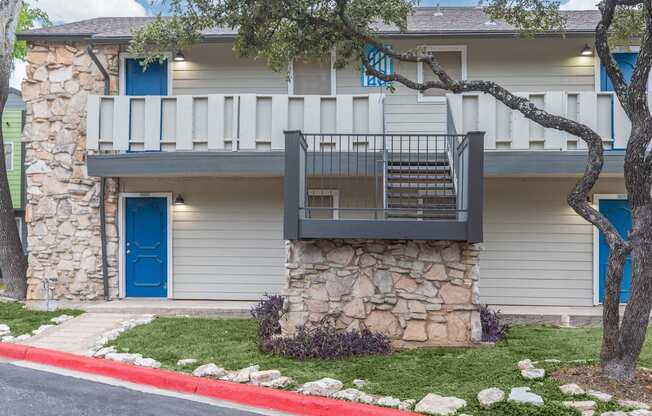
(260, 397)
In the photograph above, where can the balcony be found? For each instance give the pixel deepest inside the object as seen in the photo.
(508, 130)
(379, 186)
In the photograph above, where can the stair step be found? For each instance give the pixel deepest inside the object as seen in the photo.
(418, 169)
(442, 216)
(420, 186)
(436, 207)
(405, 176)
(414, 195)
(442, 161)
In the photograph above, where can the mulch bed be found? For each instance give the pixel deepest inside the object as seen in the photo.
(640, 389)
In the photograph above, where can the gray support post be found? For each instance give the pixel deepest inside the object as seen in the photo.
(475, 192)
(292, 185)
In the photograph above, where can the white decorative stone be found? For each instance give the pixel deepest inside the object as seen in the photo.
(525, 365)
(4, 328)
(389, 401)
(244, 375)
(354, 395)
(23, 337)
(123, 357)
(323, 387)
(572, 389)
(209, 370)
(61, 319)
(147, 362)
(523, 395)
(632, 404)
(278, 383)
(640, 412)
(489, 397)
(360, 383)
(102, 352)
(41, 329)
(8, 339)
(186, 362)
(613, 414)
(581, 405)
(434, 404)
(533, 373)
(260, 377)
(598, 395)
(407, 405)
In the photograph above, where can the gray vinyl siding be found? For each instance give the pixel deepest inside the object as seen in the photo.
(537, 251)
(227, 238)
(215, 69)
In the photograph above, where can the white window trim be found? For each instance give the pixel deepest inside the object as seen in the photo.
(13, 148)
(122, 289)
(333, 76)
(122, 80)
(596, 245)
(441, 48)
(333, 193)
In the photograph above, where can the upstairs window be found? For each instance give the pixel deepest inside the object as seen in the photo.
(381, 63)
(452, 58)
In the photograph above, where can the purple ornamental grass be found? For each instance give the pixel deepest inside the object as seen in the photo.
(492, 329)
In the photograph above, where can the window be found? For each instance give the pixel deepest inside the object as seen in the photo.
(9, 156)
(380, 62)
(324, 198)
(452, 58)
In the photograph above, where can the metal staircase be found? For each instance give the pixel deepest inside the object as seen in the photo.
(420, 190)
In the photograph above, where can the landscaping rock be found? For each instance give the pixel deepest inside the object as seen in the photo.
(640, 412)
(244, 375)
(533, 374)
(41, 329)
(632, 404)
(613, 414)
(434, 404)
(23, 337)
(489, 397)
(147, 362)
(523, 395)
(572, 389)
(278, 383)
(8, 339)
(209, 370)
(598, 395)
(325, 387)
(360, 383)
(354, 395)
(186, 362)
(389, 401)
(123, 357)
(101, 353)
(260, 377)
(61, 319)
(407, 405)
(525, 365)
(4, 330)
(581, 405)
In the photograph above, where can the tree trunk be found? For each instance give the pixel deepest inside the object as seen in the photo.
(13, 262)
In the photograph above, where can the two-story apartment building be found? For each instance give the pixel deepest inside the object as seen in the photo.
(209, 163)
(13, 119)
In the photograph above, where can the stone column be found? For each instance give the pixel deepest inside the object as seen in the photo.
(62, 210)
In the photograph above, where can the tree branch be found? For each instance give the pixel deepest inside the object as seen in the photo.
(608, 9)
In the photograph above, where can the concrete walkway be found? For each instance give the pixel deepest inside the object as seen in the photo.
(77, 335)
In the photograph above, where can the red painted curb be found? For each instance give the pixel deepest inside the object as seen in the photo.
(260, 397)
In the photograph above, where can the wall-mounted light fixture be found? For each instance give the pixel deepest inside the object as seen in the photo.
(179, 57)
(586, 50)
(179, 200)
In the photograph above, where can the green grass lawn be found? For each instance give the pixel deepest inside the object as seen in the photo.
(24, 321)
(462, 372)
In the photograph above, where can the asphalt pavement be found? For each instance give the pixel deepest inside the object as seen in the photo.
(30, 392)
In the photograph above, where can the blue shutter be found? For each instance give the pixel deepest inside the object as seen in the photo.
(152, 81)
(380, 62)
(626, 62)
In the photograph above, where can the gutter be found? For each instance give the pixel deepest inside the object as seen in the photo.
(105, 262)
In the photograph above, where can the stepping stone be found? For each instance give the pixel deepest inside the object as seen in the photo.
(489, 397)
(640, 412)
(523, 395)
(581, 405)
(434, 404)
(571, 389)
(533, 374)
(632, 404)
(598, 395)
(613, 414)
(525, 365)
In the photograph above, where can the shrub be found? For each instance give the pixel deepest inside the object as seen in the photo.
(328, 343)
(492, 329)
(268, 313)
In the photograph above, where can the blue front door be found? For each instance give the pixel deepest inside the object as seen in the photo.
(626, 62)
(152, 81)
(618, 213)
(146, 248)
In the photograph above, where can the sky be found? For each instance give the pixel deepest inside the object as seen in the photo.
(63, 11)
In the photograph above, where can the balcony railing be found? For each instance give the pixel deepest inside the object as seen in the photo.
(246, 122)
(383, 186)
(507, 129)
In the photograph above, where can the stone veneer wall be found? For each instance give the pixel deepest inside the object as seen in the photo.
(417, 293)
(62, 211)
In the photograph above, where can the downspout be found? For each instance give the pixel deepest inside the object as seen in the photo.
(105, 263)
